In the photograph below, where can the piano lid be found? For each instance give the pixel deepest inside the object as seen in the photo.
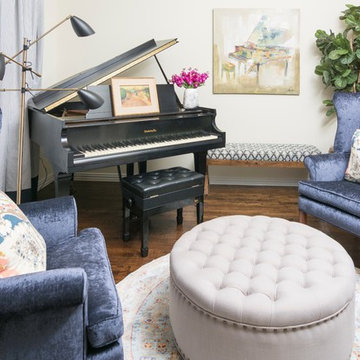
(49, 100)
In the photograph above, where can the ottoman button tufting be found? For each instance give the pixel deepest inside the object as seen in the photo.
(255, 286)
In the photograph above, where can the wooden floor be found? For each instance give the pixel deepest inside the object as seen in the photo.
(99, 205)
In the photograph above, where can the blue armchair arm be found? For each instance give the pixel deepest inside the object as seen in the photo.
(41, 291)
(327, 167)
(54, 218)
(44, 315)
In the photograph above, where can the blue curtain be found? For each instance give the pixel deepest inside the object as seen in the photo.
(19, 19)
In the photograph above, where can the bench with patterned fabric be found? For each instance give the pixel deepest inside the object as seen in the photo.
(257, 154)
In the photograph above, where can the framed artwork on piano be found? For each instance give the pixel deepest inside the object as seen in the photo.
(133, 96)
(256, 51)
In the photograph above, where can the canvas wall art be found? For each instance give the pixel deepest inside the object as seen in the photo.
(256, 51)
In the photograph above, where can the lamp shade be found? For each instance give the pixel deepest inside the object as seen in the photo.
(2, 66)
(89, 98)
(80, 27)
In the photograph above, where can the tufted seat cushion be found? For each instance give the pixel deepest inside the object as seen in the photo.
(162, 181)
(261, 273)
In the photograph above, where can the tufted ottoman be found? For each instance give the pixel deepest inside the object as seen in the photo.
(256, 288)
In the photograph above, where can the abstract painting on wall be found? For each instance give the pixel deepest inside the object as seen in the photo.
(256, 51)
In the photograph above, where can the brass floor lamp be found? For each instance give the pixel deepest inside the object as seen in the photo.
(91, 99)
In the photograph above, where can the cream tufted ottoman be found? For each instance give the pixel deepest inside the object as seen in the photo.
(256, 288)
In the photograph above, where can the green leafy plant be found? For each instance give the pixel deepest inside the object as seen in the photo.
(340, 62)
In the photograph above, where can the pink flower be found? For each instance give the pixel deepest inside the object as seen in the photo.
(189, 78)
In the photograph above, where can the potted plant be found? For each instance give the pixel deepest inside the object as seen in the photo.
(340, 62)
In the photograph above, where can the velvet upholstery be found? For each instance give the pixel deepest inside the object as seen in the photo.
(71, 310)
(327, 195)
(347, 107)
(88, 250)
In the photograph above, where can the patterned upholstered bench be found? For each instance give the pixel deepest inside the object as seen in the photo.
(257, 154)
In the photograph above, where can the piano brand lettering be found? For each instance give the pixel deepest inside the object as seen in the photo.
(147, 131)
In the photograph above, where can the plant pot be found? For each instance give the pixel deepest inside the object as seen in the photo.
(191, 98)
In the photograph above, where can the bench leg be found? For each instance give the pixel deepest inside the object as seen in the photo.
(302, 217)
(145, 235)
(179, 216)
(200, 210)
(126, 222)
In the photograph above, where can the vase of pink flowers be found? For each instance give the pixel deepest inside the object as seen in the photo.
(190, 79)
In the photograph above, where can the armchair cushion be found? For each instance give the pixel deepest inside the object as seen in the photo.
(342, 195)
(88, 250)
(22, 248)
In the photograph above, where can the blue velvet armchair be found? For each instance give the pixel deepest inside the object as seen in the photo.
(71, 310)
(327, 195)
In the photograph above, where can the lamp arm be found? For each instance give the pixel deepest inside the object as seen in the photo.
(38, 39)
(17, 63)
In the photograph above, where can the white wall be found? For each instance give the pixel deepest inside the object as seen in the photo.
(121, 25)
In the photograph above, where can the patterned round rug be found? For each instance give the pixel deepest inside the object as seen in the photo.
(145, 301)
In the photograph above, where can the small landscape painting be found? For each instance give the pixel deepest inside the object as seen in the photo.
(131, 96)
(136, 95)
(256, 51)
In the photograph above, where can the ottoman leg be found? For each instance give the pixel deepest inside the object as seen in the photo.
(200, 210)
(145, 235)
(179, 216)
(126, 222)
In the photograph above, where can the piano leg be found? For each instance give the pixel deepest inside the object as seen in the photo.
(200, 167)
(62, 184)
(200, 162)
(142, 167)
(129, 169)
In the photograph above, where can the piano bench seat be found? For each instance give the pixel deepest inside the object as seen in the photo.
(158, 191)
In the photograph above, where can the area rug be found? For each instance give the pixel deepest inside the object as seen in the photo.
(145, 301)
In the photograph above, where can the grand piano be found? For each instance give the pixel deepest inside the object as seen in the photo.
(75, 138)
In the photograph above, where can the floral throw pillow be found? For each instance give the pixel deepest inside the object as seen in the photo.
(22, 248)
(352, 172)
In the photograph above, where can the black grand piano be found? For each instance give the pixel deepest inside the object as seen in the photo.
(75, 138)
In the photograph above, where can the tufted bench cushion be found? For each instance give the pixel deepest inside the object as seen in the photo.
(263, 152)
(251, 287)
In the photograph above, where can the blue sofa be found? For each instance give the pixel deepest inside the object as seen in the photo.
(71, 310)
(327, 195)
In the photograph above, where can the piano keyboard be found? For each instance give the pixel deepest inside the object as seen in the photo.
(128, 146)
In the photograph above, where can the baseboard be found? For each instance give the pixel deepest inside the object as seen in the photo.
(214, 180)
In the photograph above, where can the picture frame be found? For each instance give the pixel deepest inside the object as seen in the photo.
(132, 96)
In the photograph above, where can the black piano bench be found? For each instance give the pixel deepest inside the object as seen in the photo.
(159, 191)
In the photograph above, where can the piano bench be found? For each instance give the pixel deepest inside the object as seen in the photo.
(159, 191)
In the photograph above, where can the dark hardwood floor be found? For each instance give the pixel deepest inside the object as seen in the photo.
(99, 205)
